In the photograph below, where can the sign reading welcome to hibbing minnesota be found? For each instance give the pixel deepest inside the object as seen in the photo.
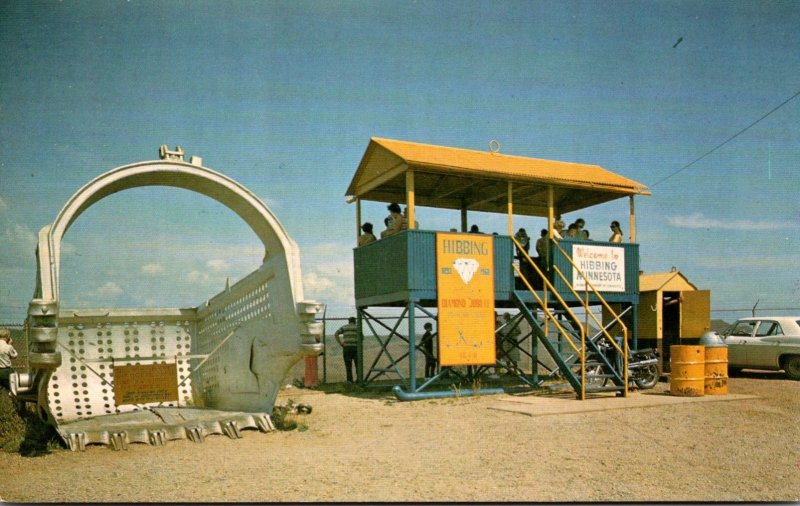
(603, 266)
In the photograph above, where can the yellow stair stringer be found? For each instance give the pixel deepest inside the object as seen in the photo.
(623, 351)
(585, 304)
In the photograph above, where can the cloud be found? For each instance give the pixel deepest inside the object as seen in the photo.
(20, 235)
(152, 268)
(698, 220)
(317, 284)
(330, 259)
(18, 245)
(109, 289)
(328, 248)
(749, 262)
(218, 264)
(195, 276)
(67, 248)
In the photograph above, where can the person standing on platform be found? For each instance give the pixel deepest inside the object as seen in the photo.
(542, 247)
(522, 238)
(347, 337)
(582, 233)
(394, 221)
(404, 226)
(616, 232)
(367, 237)
(558, 229)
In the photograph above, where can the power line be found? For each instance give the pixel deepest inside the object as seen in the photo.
(748, 309)
(737, 134)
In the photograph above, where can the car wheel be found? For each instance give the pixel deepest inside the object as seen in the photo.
(791, 365)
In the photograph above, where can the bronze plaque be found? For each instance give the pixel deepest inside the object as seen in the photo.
(140, 384)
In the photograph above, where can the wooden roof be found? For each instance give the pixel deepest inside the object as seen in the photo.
(453, 178)
(659, 280)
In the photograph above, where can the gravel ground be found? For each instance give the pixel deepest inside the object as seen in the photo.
(361, 447)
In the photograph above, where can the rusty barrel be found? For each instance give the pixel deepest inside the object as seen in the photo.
(716, 371)
(687, 366)
(310, 379)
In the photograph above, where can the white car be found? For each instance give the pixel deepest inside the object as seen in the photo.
(765, 342)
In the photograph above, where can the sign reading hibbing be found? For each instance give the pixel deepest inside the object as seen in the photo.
(465, 285)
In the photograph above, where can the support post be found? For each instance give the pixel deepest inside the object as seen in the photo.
(510, 208)
(535, 354)
(412, 345)
(360, 348)
(550, 212)
(358, 219)
(410, 198)
(633, 221)
(463, 217)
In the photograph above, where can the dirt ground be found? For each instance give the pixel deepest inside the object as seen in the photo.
(368, 447)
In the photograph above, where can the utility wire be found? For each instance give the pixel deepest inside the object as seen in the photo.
(737, 134)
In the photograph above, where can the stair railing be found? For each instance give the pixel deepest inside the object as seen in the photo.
(623, 351)
(550, 316)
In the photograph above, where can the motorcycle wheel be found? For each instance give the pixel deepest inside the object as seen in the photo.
(593, 371)
(647, 377)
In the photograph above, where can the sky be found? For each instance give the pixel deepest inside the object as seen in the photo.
(283, 97)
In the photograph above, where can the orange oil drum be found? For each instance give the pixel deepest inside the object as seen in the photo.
(687, 365)
(716, 371)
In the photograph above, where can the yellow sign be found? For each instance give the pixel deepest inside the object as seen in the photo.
(465, 284)
(140, 384)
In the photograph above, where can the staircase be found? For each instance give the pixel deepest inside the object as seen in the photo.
(586, 367)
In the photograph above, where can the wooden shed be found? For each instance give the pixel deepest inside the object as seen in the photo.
(671, 311)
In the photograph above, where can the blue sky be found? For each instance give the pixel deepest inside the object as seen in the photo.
(284, 96)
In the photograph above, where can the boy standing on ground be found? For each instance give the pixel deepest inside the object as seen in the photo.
(7, 352)
(427, 347)
(347, 336)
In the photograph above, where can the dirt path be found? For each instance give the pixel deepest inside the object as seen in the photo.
(377, 449)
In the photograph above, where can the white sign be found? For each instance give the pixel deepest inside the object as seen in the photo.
(603, 266)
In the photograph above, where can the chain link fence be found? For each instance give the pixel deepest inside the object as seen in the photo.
(330, 365)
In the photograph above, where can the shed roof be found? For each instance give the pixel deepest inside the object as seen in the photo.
(453, 178)
(659, 280)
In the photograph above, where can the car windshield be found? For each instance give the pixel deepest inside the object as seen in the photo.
(744, 328)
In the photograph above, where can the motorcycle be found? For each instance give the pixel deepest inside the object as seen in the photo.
(643, 369)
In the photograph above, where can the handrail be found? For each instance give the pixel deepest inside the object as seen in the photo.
(545, 280)
(566, 307)
(589, 313)
(593, 289)
(624, 352)
(547, 313)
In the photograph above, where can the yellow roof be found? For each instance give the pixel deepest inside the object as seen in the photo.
(448, 177)
(658, 280)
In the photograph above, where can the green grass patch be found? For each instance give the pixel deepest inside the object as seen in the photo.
(24, 432)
